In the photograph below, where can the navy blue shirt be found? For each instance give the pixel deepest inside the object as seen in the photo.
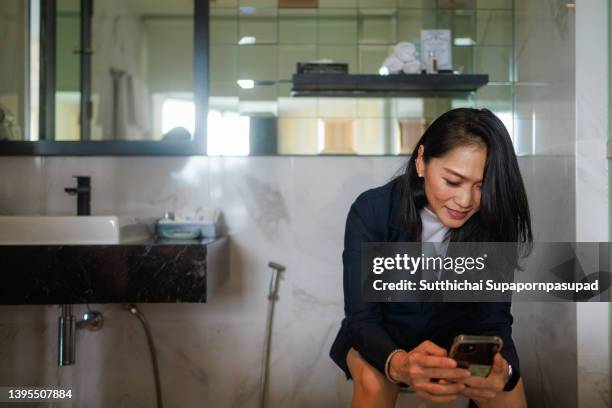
(376, 329)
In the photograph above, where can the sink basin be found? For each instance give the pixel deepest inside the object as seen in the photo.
(69, 230)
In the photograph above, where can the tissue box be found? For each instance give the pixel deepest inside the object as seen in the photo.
(186, 229)
(209, 229)
(203, 224)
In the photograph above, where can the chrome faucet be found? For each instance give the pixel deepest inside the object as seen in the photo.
(83, 193)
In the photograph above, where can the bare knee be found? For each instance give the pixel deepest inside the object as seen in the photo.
(369, 382)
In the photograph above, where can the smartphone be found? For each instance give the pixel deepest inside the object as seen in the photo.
(475, 353)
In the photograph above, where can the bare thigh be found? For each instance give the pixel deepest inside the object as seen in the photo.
(371, 387)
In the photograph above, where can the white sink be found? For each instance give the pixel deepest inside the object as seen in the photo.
(69, 230)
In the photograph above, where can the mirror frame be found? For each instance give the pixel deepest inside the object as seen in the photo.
(197, 146)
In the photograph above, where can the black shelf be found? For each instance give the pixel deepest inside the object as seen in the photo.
(359, 85)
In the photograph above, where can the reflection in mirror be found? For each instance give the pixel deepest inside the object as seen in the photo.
(67, 79)
(256, 45)
(125, 73)
(13, 77)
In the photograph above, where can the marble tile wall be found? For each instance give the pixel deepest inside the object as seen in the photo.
(592, 195)
(545, 331)
(544, 112)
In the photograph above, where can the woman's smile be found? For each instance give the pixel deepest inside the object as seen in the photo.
(456, 215)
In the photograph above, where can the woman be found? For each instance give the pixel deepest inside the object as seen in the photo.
(462, 183)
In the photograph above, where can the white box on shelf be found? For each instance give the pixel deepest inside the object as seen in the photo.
(438, 43)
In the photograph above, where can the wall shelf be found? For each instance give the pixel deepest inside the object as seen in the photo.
(359, 85)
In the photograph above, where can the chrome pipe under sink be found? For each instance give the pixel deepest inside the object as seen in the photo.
(67, 329)
(66, 345)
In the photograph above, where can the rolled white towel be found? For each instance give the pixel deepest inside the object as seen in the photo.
(413, 67)
(393, 64)
(405, 51)
(408, 60)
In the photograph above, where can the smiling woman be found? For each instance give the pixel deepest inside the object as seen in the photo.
(453, 184)
(462, 183)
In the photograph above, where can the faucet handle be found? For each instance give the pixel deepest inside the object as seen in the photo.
(83, 181)
(83, 185)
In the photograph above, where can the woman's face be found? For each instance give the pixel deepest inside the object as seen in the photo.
(453, 183)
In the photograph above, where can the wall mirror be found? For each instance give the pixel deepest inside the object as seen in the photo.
(108, 77)
(217, 77)
(255, 46)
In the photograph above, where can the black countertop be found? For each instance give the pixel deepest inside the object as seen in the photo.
(139, 271)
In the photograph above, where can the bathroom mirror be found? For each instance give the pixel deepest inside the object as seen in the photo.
(125, 70)
(109, 77)
(255, 47)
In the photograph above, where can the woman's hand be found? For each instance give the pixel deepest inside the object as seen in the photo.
(483, 390)
(425, 363)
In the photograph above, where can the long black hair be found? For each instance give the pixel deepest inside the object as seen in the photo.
(504, 211)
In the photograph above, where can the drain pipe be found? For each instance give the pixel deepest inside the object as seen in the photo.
(67, 328)
(66, 342)
(272, 298)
